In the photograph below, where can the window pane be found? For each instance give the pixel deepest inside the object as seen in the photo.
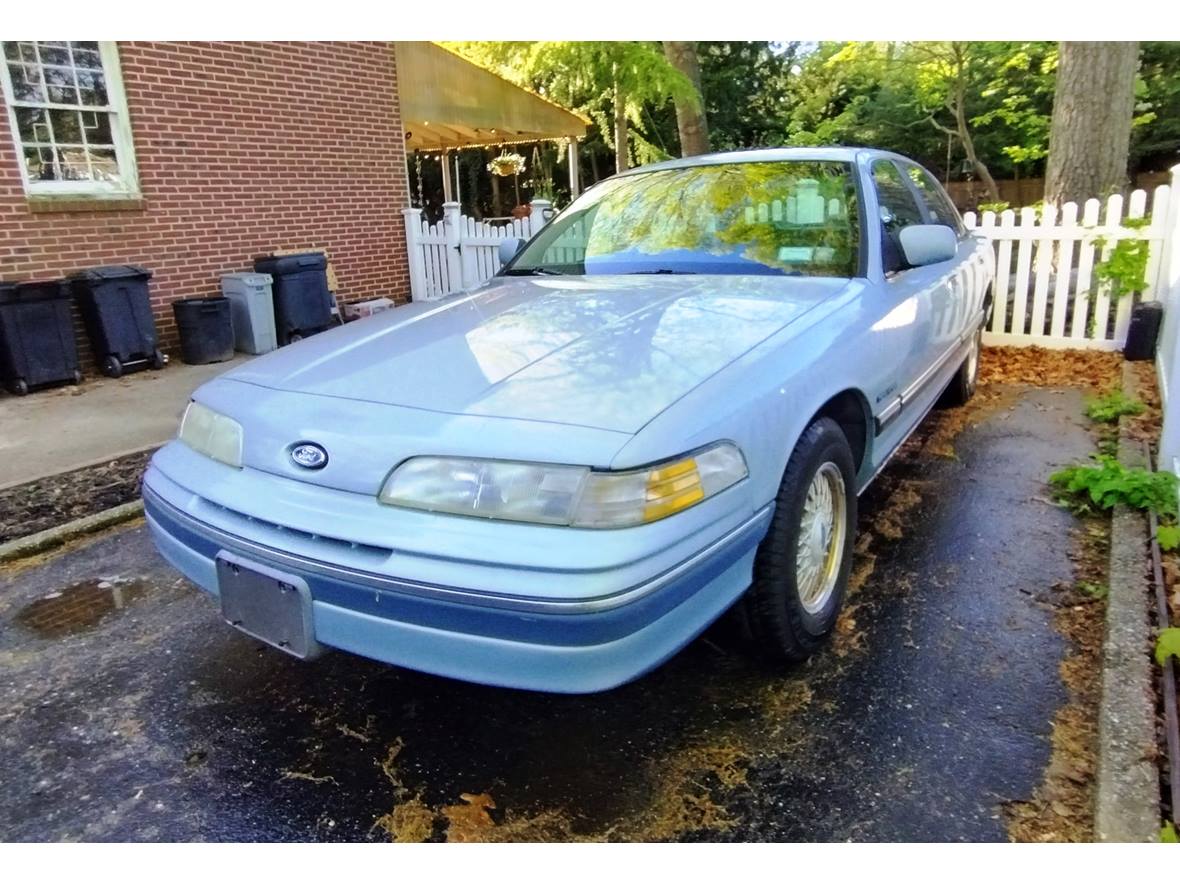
(103, 164)
(67, 128)
(28, 52)
(32, 124)
(898, 209)
(97, 126)
(939, 205)
(60, 84)
(12, 51)
(74, 166)
(93, 88)
(54, 52)
(86, 55)
(26, 82)
(898, 206)
(40, 164)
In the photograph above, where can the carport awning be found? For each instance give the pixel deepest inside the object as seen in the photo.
(447, 102)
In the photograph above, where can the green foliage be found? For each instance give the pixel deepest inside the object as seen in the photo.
(1168, 645)
(1168, 537)
(1168, 833)
(995, 207)
(1101, 486)
(1110, 407)
(1093, 589)
(901, 96)
(747, 88)
(586, 75)
(1156, 133)
(1125, 268)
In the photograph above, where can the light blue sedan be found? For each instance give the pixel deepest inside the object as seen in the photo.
(663, 406)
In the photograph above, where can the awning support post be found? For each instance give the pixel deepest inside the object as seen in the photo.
(446, 177)
(572, 155)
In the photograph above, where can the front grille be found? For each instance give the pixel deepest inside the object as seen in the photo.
(330, 543)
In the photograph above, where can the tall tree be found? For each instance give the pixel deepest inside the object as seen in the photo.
(947, 71)
(690, 115)
(1092, 109)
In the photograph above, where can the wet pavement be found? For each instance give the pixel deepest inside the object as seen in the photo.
(129, 711)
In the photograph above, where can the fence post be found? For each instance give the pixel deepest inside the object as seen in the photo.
(413, 223)
(1168, 350)
(452, 219)
(540, 211)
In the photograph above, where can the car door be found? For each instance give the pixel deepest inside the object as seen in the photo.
(903, 330)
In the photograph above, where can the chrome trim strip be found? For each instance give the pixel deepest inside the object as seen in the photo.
(926, 377)
(453, 594)
(887, 414)
(964, 339)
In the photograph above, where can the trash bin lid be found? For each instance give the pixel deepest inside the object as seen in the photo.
(36, 290)
(249, 278)
(284, 264)
(113, 272)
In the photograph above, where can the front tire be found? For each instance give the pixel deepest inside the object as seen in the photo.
(802, 566)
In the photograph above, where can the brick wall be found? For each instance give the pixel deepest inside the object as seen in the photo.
(242, 148)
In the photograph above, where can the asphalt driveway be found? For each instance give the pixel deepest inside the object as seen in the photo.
(128, 711)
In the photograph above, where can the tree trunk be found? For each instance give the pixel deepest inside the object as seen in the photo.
(1090, 135)
(690, 116)
(960, 110)
(621, 159)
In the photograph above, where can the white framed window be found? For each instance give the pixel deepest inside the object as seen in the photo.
(68, 116)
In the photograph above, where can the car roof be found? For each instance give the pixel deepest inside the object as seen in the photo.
(834, 153)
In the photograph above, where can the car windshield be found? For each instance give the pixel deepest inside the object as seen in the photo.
(790, 217)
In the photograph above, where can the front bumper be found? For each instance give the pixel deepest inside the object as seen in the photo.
(548, 643)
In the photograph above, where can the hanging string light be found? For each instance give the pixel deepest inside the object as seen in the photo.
(418, 172)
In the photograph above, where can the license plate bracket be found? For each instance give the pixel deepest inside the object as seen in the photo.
(269, 605)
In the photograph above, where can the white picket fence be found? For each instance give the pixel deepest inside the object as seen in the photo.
(460, 252)
(1046, 291)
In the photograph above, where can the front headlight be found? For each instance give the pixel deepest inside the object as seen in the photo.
(557, 494)
(211, 434)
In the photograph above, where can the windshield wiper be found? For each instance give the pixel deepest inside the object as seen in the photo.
(532, 272)
(661, 270)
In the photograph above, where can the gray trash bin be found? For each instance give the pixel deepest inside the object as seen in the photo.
(252, 309)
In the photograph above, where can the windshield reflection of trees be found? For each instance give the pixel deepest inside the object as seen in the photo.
(782, 217)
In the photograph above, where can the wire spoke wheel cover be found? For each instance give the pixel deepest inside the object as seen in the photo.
(820, 546)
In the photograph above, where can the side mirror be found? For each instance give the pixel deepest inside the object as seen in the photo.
(509, 246)
(924, 244)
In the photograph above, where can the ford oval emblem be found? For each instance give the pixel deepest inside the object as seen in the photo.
(309, 455)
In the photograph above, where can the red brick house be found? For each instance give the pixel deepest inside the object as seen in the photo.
(193, 158)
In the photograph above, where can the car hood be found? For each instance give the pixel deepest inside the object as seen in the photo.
(598, 351)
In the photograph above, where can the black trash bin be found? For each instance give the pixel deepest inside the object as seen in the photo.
(118, 317)
(37, 345)
(1143, 330)
(303, 304)
(206, 330)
